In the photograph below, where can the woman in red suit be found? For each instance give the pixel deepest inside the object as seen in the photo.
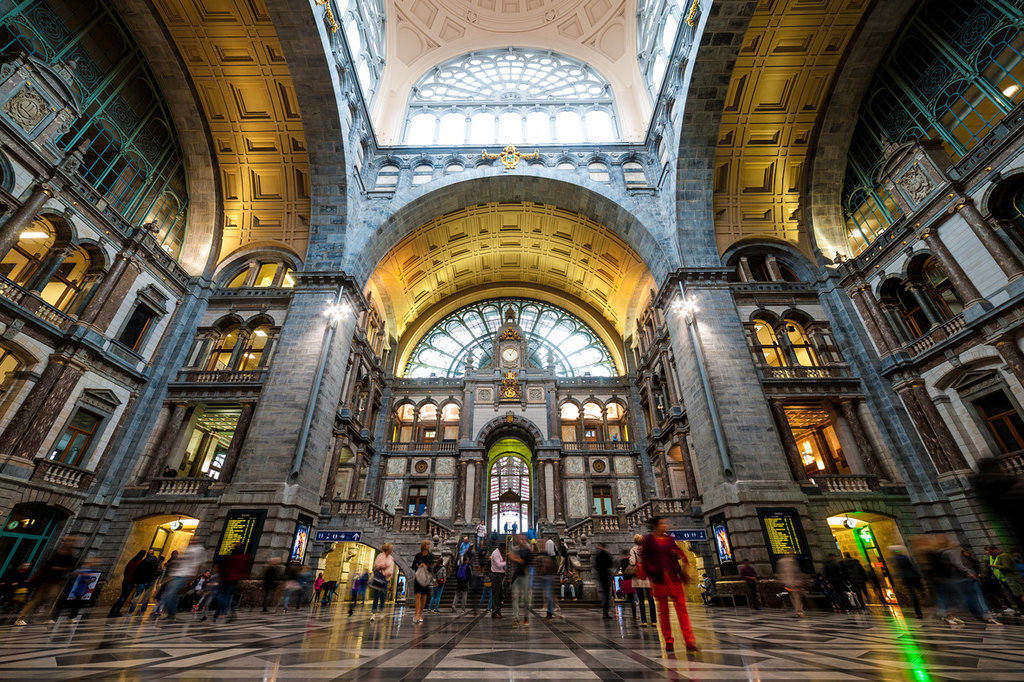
(661, 559)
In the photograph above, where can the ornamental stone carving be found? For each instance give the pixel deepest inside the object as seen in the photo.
(574, 465)
(629, 497)
(392, 494)
(916, 184)
(27, 108)
(396, 467)
(624, 466)
(444, 466)
(444, 493)
(576, 498)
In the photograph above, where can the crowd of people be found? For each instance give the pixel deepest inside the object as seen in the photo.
(490, 572)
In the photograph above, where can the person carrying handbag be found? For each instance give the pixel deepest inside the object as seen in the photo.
(423, 579)
(642, 586)
(383, 569)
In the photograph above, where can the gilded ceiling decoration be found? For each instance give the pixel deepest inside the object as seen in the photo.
(423, 33)
(512, 245)
(778, 90)
(233, 55)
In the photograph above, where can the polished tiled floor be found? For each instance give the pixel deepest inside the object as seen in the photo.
(736, 644)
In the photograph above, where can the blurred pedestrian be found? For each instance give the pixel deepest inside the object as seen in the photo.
(547, 568)
(497, 581)
(383, 569)
(422, 565)
(749, 576)
(272, 576)
(463, 577)
(49, 580)
(628, 593)
(641, 584)
(792, 577)
(233, 569)
(603, 567)
(127, 583)
(664, 562)
(1005, 570)
(440, 579)
(146, 574)
(521, 557)
(318, 585)
(856, 579)
(183, 569)
(909, 576)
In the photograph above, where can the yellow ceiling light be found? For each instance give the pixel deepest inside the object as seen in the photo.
(509, 249)
(235, 59)
(778, 90)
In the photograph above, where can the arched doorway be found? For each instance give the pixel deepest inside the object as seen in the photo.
(509, 486)
(26, 533)
(347, 561)
(160, 534)
(868, 537)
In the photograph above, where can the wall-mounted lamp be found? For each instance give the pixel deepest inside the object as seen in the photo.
(687, 305)
(335, 312)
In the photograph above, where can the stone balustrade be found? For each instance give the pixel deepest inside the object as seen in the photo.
(797, 373)
(62, 475)
(833, 483)
(181, 487)
(221, 376)
(936, 334)
(595, 446)
(34, 305)
(1013, 463)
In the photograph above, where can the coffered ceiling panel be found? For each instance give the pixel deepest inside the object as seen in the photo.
(232, 52)
(510, 244)
(424, 33)
(777, 92)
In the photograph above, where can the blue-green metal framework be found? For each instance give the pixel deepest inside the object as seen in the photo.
(133, 159)
(952, 74)
(575, 348)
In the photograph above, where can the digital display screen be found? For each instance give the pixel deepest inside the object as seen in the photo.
(780, 528)
(241, 528)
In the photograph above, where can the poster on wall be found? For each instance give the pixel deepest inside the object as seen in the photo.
(783, 533)
(242, 527)
(83, 586)
(722, 543)
(300, 538)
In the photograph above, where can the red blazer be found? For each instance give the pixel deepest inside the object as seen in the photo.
(661, 557)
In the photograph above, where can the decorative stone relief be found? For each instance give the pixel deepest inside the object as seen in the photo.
(916, 184)
(392, 494)
(535, 395)
(624, 466)
(574, 465)
(485, 395)
(629, 496)
(599, 466)
(421, 466)
(444, 466)
(27, 108)
(444, 492)
(396, 466)
(576, 498)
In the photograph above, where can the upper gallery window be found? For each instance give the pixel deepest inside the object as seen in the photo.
(657, 25)
(363, 22)
(512, 95)
(548, 330)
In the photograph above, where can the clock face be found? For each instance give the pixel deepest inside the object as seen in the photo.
(510, 355)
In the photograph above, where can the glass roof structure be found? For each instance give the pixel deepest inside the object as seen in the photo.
(547, 329)
(512, 95)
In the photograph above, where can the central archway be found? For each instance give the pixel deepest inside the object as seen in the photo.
(509, 486)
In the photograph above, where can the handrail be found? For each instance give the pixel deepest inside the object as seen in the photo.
(798, 372)
(936, 334)
(197, 486)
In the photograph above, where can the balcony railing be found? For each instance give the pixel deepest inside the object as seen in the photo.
(936, 334)
(1013, 463)
(834, 483)
(181, 487)
(449, 445)
(595, 446)
(591, 525)
(221, 376)
(364, 509)
(63, 475)
(799, 372)
(33, 304)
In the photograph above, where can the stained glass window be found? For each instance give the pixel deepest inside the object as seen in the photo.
(513, 95)
(575, 348)
(510, 495)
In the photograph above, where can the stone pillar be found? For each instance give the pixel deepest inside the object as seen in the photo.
(469, 494)
(925, 303)
(744, 268)
(27, 431)
(539, 495)
(796, 465)
(111, 293)
(231, 457)
(870, 458)
(874, 319)
(937, 438)
(1012, 355)
(11, 230)
(171, 434)
(965, 288)
(692, 491)
(891, 313)
(771, 263)
(549, 490)
(670, 384)
(1004, 257)
(49, 266)
(556, 484)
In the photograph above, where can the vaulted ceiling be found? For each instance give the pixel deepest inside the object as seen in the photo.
(231, 50)
(778, 91)
(519, 246)
(423, 33)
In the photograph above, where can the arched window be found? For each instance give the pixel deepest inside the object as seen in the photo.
(387, 178)
(10, 365)
(26, 257)
(422, 174)
(801, 345)
(509, 94)
(634, 175)
(593, 422)
(263, 273)
(223, 351)
(570, 417)
(615, 418)
(509, 495)
(943, 294)
(255, 346)
(364, 27)
(766, 345)
(453, 168)
(658, 23)
(64, 288)
(599, 172)
(450, 414)
(405, 417)
(549, 331)
(426, 423)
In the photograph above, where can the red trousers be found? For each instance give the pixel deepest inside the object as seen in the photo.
(674, 591)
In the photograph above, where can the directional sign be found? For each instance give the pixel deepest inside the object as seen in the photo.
(697, 535)
(337, 536)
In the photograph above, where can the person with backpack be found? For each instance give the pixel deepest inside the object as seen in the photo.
(547, 569)
(440, 578)
(383, 569)
(463, 576)
(422, 578)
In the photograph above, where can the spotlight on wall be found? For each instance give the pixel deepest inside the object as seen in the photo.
(1010, 91)
(336, 311)
(687, 305)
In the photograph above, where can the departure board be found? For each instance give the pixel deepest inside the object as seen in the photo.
(241, 527)
(782, 531)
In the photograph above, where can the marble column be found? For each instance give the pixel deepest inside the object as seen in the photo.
(171, 434)
(1004, 257)
(111, 293)
(691, 480)
(963, 285)
(1012, 355)
(49, 266)
(937, 438)
(796, 465)
(874, 319)
(11, 230)
(469, 509)
(867, 453)
(925, 303)
(28, 429)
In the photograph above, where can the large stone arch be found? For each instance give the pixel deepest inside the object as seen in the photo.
(307, 48)
(205, 217)
(830, 141)
(510, 425)
(533, 184)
